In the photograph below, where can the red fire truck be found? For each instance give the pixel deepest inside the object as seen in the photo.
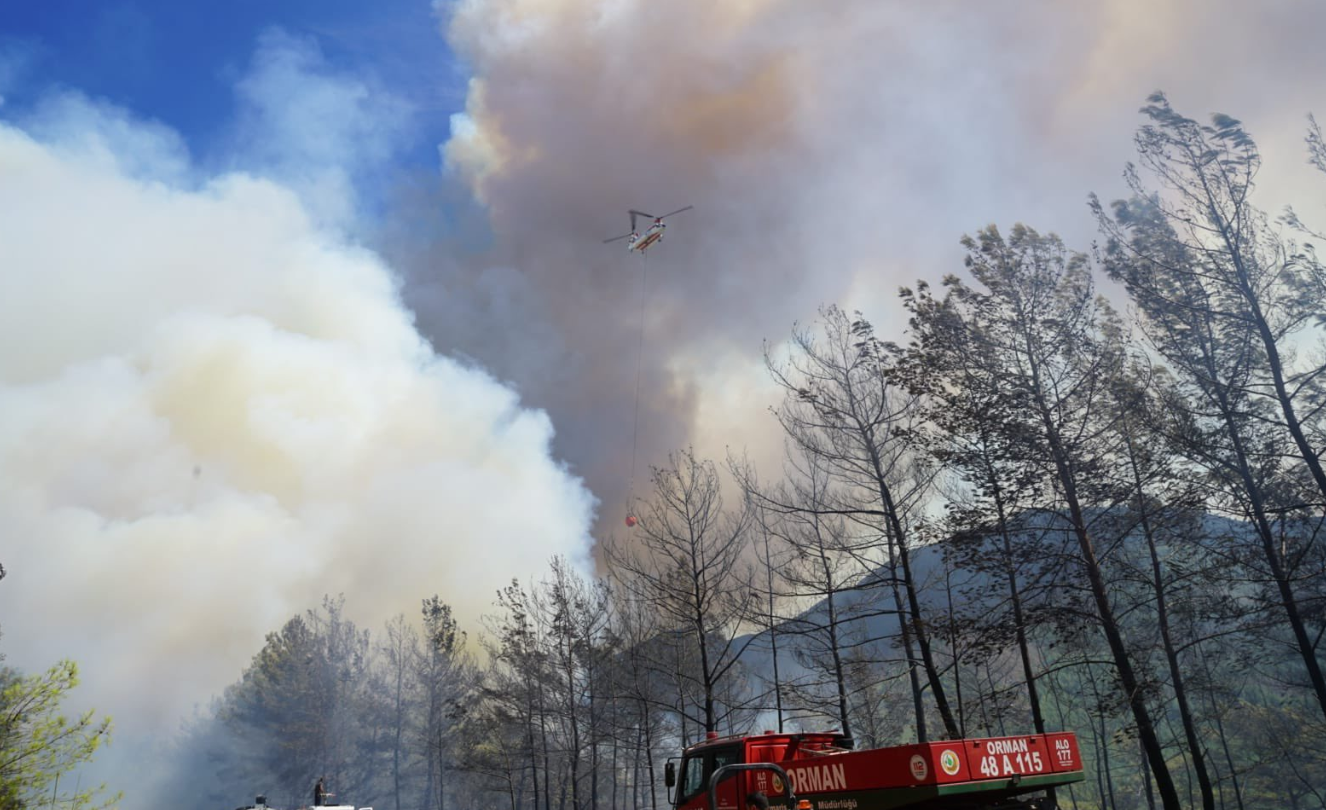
(820, 771)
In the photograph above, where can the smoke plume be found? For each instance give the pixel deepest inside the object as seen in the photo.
(214, 409)
(833, 151)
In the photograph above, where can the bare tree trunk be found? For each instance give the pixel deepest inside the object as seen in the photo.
(839, 680)
(635, 765)
(1306, 648)
(773, 632)
(400, 728)
(1127, 677)
(441, 785)
(913, 677)
(428, 784)
(913, 602)
(1270, 345)
(533, 759)
(593, 759)
(1146, 780)
(1166, 637)
(953, 647)
(547, 766)
(710, 724)
(649, 762)
(573, 717)
(615, 745)
(1063, 723)
(1103, 745)
(994, 690)
(1146, 731)
(1019, 616)
(1220, 728)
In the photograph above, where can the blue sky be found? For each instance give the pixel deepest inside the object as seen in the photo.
(179, 62)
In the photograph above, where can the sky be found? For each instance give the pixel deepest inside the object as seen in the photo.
(179, 62)
(305, 298)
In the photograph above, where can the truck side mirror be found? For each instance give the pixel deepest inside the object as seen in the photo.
(669, 774)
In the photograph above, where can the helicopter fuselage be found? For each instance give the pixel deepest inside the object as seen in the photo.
(647, 241)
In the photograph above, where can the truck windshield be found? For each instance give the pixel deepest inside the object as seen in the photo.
(692, 778)
(695, 770)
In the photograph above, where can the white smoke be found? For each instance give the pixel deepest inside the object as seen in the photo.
(213, 411)
(318, 130)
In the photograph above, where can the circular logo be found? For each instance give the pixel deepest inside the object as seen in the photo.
(949, 762)
(919, 767)
(777, 783)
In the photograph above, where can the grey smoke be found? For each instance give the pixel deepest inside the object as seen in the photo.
(833, 151)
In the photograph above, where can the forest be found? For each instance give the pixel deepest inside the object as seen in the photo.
(1083, 491)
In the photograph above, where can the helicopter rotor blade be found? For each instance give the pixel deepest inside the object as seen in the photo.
(678, 211)
(634, 213)
(616, 238)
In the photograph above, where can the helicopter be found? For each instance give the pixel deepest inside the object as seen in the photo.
(651, 237)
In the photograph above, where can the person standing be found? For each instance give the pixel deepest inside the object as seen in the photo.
(319, 793)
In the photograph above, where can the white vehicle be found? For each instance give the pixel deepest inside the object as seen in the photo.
(260, 803)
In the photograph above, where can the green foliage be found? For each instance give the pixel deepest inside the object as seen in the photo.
(38, 745)
(299, 703)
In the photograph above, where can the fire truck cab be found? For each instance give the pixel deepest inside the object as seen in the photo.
(820, 770)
